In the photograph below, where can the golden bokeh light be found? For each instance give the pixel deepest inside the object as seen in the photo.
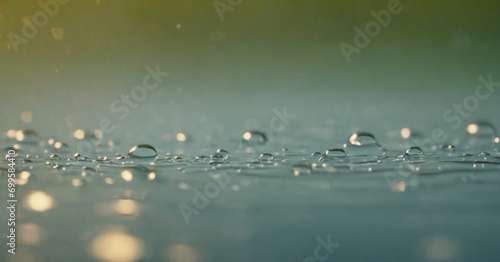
(57, 33)
(26, 116)
(109, 180)
(79, 134)
(29, 234)
(39, 201)
(472, 129)
(181, 253)
(440, 249)
(77, 182)
(116, 246)
(126, 207)
(127, 175)
(151, 176)
(405, 133)
(181, 137)
(247, 136)
(399, 186)
(11, 133)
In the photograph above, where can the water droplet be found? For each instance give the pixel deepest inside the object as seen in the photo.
(266, 157)
(362, 139)
(301, 169)
(414, 151)
(362, 144)
(336, 152)
(55, 157)
(223, 153)
(253, 138)
(27, 136)
(78, 157)
(142, 154)
(316, 154)
(447, 147)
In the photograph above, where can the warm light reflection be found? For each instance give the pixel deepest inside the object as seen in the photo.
(116, 246)
(26, 116)
(127, 175)
(39, 201)
(11, 133)
(399, 186)
(472, 129)
(440, 249)
(98, 134)
(247, 136)
(19, 135)
(497, 140)
(51, 141)
(109, 180)
(181, 137)
(29, 234)
(126, 207)
(77, 182)
(57, 33)
(151, 176)
(181, 253)
(405, 133)
(58, 145)
(22, 178)
(79, 134)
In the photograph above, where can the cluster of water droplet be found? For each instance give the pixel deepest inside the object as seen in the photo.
(256, 155)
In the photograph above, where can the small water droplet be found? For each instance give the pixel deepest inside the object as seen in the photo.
(266, 157)
(336, 152)
(316, 154)
(78, 157)
(447, 147)
(414, 151)
(142, 154)
(54, 157)
(223, 153)
(253, 138)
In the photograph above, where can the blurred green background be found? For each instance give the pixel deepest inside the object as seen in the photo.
(230, 74)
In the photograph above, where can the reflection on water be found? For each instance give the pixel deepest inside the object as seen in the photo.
(116, 246)
(115, 204)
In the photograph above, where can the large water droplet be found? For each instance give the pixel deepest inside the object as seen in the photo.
(336, 152)
(363, 144)
(253, 138)
(142, 154)
(414, 152)
(362, 139)
(266, 157)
